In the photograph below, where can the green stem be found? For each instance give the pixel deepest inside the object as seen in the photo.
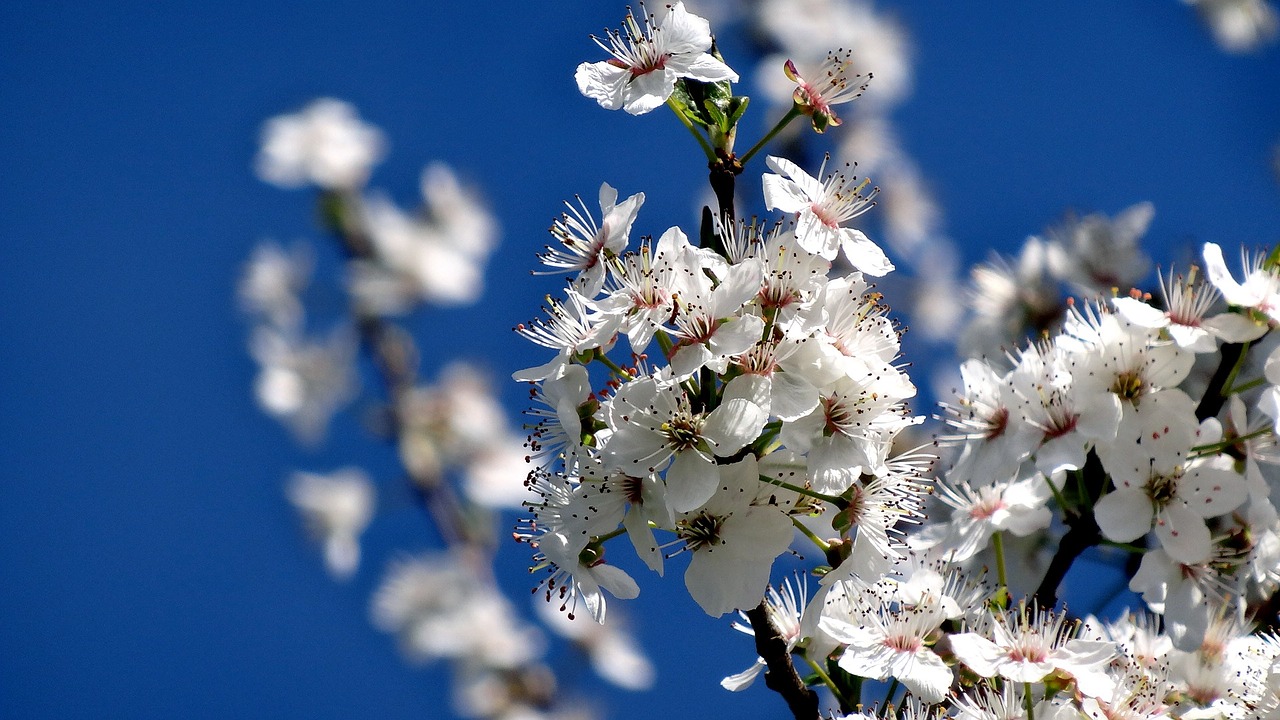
(706, 147)
(1027, 702)
(997, 543)
(1213, 448)
(1235, 369)
(599, 355)
(1237, 389)
(837, 501)
(1057, 494)
(664, 342)
(1085, 498)
(792, 114)
(826, 680)
(609, 535)
(822, 544)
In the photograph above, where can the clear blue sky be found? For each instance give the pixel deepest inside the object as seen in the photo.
(150, 564)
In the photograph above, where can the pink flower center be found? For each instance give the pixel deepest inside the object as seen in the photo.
(1028, 653)
(649, 64)
(987, 507)
(824, 215)
(902, 643)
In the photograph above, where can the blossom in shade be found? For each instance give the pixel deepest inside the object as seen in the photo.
(734, 540)
(648, 61)
(1155, 484)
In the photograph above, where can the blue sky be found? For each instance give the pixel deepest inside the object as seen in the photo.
(151, 566)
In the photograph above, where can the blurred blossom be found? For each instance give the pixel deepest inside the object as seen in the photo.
(452, 422)
(303, 383)
(614, 653)
(436, 256)
(440, 608)
(1008, 300)
(1097, 253)
(807, 30)
(272, 281)
(417, 260)
(459, 210)
(495, 476)
(324, 144)
(1238, 26)
(337, 508)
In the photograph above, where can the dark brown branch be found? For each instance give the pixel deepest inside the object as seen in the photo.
(1213, 398)
(1082, 533)
(780, 675)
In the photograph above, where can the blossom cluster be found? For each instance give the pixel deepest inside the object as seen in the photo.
(727, 399)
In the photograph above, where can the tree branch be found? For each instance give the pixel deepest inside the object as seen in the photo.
(780, 675)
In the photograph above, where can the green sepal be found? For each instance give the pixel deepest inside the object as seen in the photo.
(736, 107)
(689, 102)
(1273, 259)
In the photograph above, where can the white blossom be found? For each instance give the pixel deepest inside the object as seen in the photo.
(648, 61)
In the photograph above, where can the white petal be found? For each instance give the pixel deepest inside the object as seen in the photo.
(783, 194)
(743, 680)
(1139, 313)
(928, 676)
(691, 481)
(708, 69)
(864, 254)
(1183, 534)
(733, 425)
(1211, 492)
(616, 581)
(603, 83)
(980, 654)
(1124, 515)
(1235, 328)
(792, 396)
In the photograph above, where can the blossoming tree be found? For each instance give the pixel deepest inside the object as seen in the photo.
(729, 394)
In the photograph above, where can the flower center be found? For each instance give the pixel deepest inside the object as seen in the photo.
(1128, 386)
(1162, 489)
(1028, 651)
(902, 643)
(986, 507)
(997, 423)
(824, 215)
(702, 530)
(682, 432)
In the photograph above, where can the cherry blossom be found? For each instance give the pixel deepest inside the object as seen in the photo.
(820, 208)
(648, 61)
